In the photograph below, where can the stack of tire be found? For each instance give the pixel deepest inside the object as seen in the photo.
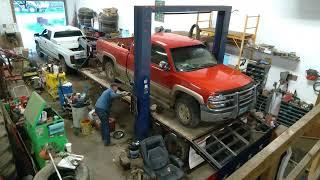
(7, 164)
(108, 20)
(85, 15)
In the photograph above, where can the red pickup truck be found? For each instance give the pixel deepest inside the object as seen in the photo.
(184, 76)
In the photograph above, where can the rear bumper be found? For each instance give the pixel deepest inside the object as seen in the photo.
(75, 63)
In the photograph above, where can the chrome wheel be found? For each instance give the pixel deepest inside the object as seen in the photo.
(184, 113)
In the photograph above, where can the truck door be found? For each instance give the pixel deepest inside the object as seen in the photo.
(52, 51)
(42, 40)
(45, 43)
(160, 77)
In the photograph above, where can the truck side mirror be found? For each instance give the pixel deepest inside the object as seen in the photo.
(164, 65)
(37, 34)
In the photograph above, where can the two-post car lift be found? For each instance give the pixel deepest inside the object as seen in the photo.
(224, 147)
(142, 51)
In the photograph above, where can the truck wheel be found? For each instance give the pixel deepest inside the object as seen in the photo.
(64, 66)
(187, 111)
(38, 49)
(110, 71)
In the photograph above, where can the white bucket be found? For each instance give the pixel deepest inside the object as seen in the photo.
(68, 147)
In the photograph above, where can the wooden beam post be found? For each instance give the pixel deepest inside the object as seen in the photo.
(304, 163)
(314, 168)
(261, 161)
(271, 172)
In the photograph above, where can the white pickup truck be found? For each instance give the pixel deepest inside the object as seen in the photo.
(62, 43)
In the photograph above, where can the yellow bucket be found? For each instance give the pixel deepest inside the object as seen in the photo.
(86, 127)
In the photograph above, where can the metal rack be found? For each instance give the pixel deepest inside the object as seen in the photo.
(259, 73)
(290, 114)
(261, 104)
(227, 148)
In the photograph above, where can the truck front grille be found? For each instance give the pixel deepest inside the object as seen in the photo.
(237, 102)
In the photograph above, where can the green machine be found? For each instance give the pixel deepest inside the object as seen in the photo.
(44, 127)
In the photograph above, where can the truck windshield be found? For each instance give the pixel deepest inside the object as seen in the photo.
(192, 58)
(62, 34)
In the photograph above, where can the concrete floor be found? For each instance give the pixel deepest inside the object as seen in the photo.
(103, 162)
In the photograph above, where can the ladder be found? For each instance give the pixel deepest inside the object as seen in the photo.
(253, 29)
(205, 20)
(209, 28)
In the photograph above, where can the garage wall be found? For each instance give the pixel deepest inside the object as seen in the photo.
(6, 13)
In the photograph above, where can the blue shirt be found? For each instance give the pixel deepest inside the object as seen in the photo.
(105, 100)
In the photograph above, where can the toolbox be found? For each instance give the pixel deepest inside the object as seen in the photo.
(43, 126)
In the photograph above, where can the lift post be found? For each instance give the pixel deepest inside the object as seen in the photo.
(142, 53)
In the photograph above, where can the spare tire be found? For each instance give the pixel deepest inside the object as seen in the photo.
(85, 15)
(81, 173)
(87, 21)
(104, 21)
(107, 29)
(85, 10)
(108, 18)
(114, 26)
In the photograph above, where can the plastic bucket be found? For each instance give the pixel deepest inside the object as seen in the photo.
(86, 127)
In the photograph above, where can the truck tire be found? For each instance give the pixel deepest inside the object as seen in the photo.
(81, 173)
(64, 66)
(107, 29)
(87, 21)
(38, 49)
(187, 111)
(7, 165)
(110, 71)
(105, 17)
(107, 21)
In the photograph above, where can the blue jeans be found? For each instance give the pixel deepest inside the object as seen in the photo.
(104, 118)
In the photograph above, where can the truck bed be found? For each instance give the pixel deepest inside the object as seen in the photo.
(121, 42)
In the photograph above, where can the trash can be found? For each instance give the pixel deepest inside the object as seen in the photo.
(79, 113)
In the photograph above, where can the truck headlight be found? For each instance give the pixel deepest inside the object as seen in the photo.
(215, 101)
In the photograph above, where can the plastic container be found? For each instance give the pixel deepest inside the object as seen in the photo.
(63, 90)
(78, 114)
(68, 147)
(86, 127)
(55, 69)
